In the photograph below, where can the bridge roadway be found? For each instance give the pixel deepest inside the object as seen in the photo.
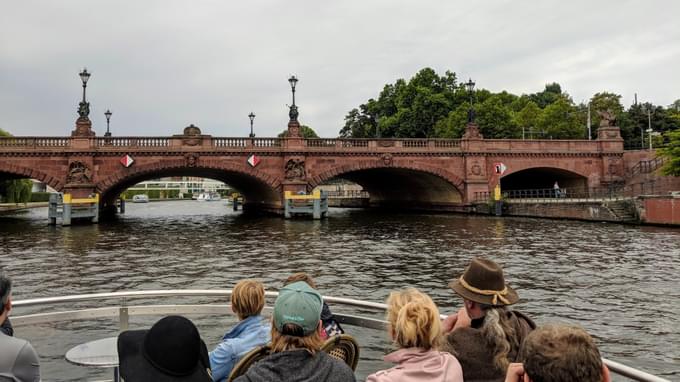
(408, 173)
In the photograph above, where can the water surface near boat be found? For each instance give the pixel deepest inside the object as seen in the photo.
(620, 282)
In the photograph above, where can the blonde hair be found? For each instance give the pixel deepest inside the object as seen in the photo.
(247, 298)
(413, 319)
(293, 338)
(300, 276)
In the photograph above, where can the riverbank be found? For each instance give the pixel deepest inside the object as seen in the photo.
(644, 210)
(12, 207)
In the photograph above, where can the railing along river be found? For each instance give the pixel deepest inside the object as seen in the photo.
(123, 311)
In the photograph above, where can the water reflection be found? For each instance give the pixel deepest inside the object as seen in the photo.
(618, 281)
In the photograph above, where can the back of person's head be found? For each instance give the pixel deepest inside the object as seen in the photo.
(296, 319)
(561, 353)
(413, 319)
(247, 298)
(300, 276)
(5, 291)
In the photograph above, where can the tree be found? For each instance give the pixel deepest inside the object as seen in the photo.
(527, 118)
(495, 119)
(406, 109)
(305, 131)
(3, 133)
(551, 94)
(672, 154)
(560, 120)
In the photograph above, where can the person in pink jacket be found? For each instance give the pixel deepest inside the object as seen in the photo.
(415, 327)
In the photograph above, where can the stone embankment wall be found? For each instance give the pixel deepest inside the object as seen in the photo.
(595, 211)
(659, 209)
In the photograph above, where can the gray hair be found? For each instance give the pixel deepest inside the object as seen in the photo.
(5, 289)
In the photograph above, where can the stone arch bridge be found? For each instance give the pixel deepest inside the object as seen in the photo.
(440, 174)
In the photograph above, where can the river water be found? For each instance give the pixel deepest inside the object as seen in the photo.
(619, 282)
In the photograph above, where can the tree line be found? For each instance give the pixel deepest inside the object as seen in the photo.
(436, 106)
(14, 190)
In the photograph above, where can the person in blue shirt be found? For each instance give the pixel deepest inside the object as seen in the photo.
(247, 301)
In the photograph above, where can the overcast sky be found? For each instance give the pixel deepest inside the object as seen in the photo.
(161, 65)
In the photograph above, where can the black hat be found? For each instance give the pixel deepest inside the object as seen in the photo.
(172, 350)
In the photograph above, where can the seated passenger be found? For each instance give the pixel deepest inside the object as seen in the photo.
(247, 301)
(330, 325)
(559, 353)
(18, 359)
(296, 342)
(415, 327)
(485, 335)
(172, 350)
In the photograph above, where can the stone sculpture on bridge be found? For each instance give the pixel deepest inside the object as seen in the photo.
(608, 118)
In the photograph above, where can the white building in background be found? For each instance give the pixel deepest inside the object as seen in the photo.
(39, 186)
(185, 185)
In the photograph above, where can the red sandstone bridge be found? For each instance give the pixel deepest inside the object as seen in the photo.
(409, 173)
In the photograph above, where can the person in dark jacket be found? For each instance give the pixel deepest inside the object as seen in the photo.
(485, 335)
(296, 342)
(330, 325)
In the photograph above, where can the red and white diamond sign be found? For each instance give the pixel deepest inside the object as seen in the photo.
(254, 160)
(127, 161)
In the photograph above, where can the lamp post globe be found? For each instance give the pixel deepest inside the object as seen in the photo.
(252, 118)
(107, 114)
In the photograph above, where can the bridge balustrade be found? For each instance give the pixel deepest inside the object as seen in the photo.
(132, 141)
(35, 141)
(266, 142)
(230, 142)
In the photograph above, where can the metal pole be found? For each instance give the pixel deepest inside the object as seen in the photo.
(589, 133)
(84, 86)
(649, 126)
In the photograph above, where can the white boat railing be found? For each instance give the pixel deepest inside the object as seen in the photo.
(124, 310)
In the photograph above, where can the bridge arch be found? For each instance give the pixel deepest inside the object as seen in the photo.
(404, 184)
(544, 177)
(257, 187)
(10, 171)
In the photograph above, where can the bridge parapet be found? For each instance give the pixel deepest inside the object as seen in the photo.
(33, 142)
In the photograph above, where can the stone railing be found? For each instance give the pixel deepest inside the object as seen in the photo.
(34, 141)
(417, 144)
(132, 141)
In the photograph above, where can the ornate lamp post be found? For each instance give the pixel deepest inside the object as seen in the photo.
(470, 87)
(84, 109)
(252, 117)
(293, 113)
(108, 119)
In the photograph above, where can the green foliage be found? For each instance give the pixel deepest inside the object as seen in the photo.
(305, 131)
(40, 196)
(672, 154)
(560, 120)
(16, 190)
(3, 133)
(495, 119)
(528, 117)
(604, 101)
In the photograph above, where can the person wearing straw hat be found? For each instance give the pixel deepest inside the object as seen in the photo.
(485, 335)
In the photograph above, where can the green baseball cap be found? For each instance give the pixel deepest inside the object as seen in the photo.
(298, 304)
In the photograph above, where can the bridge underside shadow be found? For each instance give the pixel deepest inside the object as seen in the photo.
(258, 195)
(543, 178)
(405, 189)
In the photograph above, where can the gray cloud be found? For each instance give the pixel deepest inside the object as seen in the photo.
(160, 65)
